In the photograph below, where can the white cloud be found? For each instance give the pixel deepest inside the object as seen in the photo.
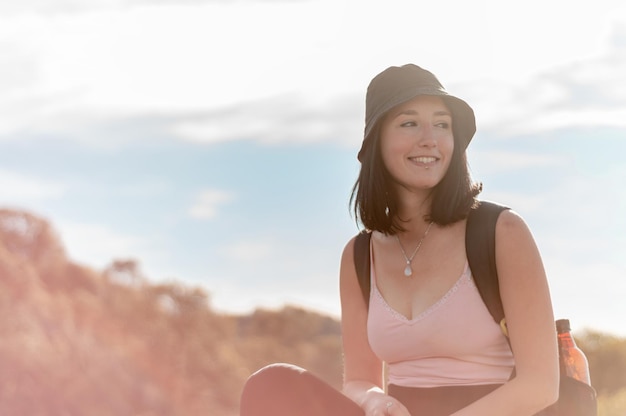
(524, 204)
(95, 244)
(53, 6)
(585, 92)
(57, 7)
(278, 120)
(79, 67)
(20, 188)
(240, 299)
(207, 203)
(270, 272)
(72, 68)
(497, 161)
(248, 252)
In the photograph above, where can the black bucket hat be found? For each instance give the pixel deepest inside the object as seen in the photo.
(399, 84)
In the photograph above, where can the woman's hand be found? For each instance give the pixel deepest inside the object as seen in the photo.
(384, 405)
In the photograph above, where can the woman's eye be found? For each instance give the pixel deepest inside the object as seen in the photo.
(443, 125)
(409, 124)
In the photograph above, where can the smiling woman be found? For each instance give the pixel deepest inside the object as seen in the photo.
(423, 315)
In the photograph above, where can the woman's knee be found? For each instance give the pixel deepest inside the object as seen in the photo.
(287, 390)
(276, 373)
(269, 386)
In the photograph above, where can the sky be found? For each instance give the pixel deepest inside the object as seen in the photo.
(215, 141)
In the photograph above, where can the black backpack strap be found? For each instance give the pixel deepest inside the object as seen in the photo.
(362, 262)
(480, 246)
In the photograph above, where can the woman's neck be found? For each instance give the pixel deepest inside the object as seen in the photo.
(413, 215)
(412, 209)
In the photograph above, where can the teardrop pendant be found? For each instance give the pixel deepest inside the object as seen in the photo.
(407, 270)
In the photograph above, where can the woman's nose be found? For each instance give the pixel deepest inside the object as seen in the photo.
(426, 138)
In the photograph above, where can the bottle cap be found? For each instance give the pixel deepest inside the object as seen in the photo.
(562, 325)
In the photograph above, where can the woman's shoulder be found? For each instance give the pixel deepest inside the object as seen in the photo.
(506, 215)
(348, 249)
(509, 219)
(357, 241)
(512, 230)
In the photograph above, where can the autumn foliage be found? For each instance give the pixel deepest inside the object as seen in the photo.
(75, 341)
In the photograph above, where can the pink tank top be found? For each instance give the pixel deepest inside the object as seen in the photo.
(454, 342)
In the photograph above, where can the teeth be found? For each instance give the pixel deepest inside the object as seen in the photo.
(425, 159)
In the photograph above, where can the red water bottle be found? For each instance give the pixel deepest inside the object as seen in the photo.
(572, 360)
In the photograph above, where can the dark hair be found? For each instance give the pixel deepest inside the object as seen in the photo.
(375, 202)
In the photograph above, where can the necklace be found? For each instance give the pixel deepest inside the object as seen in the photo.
(408, 271)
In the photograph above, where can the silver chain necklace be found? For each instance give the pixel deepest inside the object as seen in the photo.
(408, 271)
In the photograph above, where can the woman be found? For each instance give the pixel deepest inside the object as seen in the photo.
(425, 318)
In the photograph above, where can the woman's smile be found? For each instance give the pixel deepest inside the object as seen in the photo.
(425, 161)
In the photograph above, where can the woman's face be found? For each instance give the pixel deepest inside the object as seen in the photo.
(417, 143)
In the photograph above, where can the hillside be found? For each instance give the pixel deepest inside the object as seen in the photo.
(77, 341)
(82, 342)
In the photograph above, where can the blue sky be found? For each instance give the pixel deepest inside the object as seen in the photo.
(215, 142)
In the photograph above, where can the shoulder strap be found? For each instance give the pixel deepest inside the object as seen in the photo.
(362, 262)
(480, 246)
